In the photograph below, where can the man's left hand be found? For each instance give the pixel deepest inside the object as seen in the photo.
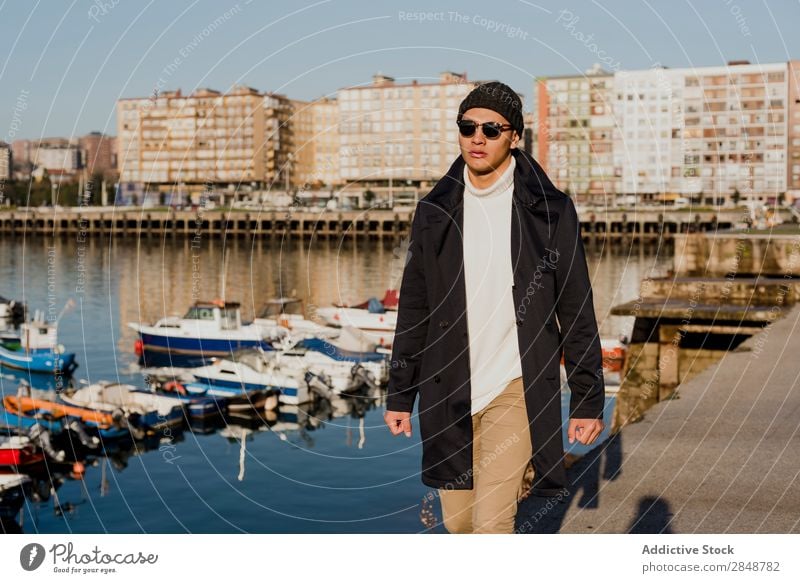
(584, 430)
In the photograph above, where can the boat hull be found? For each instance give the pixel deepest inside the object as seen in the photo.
(38, 361)
(288, 394)
(237, 397)
(199, 346)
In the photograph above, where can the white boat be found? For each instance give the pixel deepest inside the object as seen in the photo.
(379, 327)
(289, 313)
(11, 481)
(297, 373)
(207, 329)
(147, 409)
(376, 318)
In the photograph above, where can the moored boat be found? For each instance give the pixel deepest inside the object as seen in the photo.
(26, 411)
(143, 409)
(298, 373)
(290, 313)
(208, 329)
(18, 451)
(38, 350)
(377, 323)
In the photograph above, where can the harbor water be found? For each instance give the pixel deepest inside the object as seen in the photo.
(331, 469)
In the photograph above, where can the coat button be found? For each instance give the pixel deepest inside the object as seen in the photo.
(519, 322)
(444, 324)
(437, 379)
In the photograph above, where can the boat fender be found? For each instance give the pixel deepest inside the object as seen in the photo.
(175, 387)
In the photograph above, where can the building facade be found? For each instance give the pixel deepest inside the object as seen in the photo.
(97, 153)
(201, 141)
(400, 132)
(6, 163)
(709, 134)
(574, 126)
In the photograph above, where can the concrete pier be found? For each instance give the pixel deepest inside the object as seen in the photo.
(723, 289)
(599, 226)
(719, 457)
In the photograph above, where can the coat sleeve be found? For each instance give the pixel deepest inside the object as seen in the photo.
(412, 326)
(583, 357)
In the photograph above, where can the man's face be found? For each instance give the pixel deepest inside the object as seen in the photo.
(481, 154)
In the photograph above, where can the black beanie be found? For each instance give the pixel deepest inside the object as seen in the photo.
(498, 97)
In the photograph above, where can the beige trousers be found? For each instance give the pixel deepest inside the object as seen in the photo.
(501, 451)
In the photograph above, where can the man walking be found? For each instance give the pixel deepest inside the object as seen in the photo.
(494, 290)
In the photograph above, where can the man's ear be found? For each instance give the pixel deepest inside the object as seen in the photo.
(514, 139)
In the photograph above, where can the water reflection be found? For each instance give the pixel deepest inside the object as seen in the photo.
(294, 424)
(339, 460)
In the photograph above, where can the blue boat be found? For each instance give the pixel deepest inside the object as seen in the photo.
(38, 350)
(12, 377)
(236, 396)
(208, 329)
(336, 352)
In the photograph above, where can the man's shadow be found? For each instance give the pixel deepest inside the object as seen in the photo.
(653, 517)
(546, 515)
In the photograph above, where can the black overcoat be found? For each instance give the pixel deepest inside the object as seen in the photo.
(554, 314)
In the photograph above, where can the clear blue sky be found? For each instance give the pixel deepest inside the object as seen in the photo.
(68, 62)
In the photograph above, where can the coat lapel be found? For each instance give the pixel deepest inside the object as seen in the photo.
(533, 224)
(532, 234)
(449, 249)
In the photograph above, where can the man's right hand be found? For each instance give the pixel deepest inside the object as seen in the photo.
(398, 422)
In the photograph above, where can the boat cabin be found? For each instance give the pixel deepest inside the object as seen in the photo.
(226, 314)
(38, 335)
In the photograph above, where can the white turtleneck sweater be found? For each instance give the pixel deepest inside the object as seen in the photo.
(491, 315)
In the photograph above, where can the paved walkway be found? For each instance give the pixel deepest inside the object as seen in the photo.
(722, 458)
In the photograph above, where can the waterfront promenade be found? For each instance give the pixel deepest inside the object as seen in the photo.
(721, 458)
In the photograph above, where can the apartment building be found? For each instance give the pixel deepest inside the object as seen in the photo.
(393, 131)
(793, 132)
(574, 125)
(278, 141)
(200, 141)
(326, 142)
(5, 161)
(711, 134)
(97, 152)
(57, 154)
(647, 112)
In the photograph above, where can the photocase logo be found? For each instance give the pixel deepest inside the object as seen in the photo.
(31, 556)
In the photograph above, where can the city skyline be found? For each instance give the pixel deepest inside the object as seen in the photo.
(66, 80)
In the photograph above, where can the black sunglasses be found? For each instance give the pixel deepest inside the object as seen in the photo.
(491, 129)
